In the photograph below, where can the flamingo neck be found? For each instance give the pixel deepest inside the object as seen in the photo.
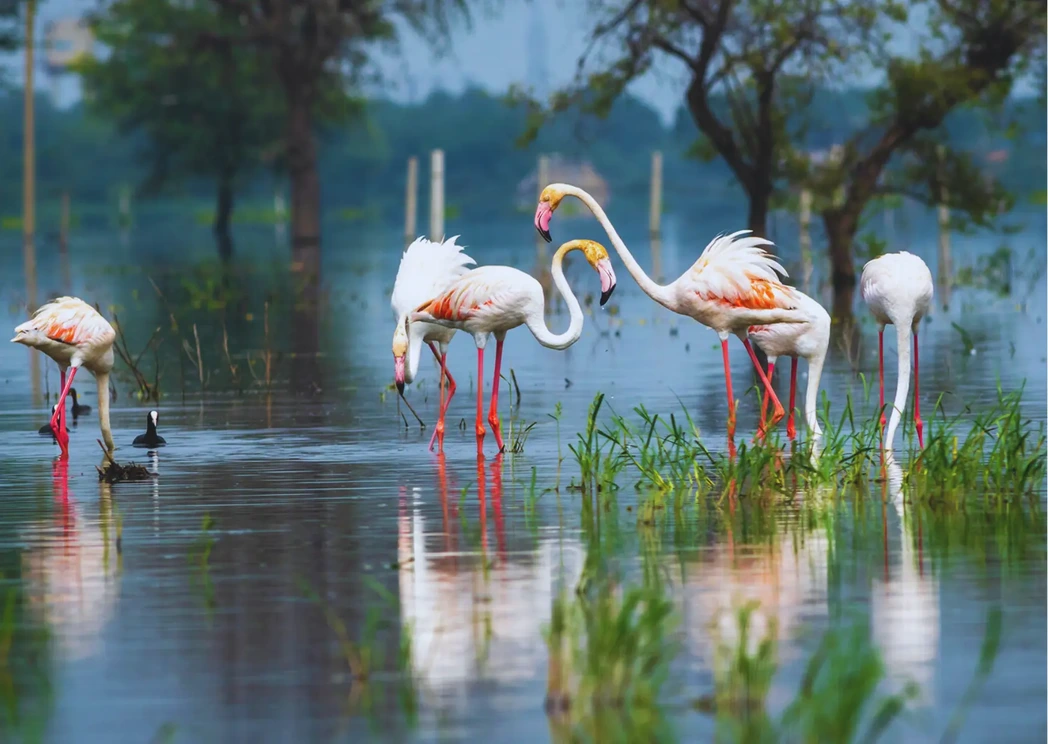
(661, 294)
(537, 323)
(102, 379)
(811, 396)
(903, 387)
(415, 337)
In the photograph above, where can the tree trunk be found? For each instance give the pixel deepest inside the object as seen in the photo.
(757, 220)
(305, 186)
(223, 216)
(840, 233)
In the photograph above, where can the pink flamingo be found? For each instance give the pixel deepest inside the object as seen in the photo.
(75, 335)
(496, 299)
(731, 287)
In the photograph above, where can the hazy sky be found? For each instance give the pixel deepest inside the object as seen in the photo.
(497, 50)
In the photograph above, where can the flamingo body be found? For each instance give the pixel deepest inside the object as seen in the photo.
(426, 268)
(898, 289)
(809, 340)
(75, 335)
(496, 299)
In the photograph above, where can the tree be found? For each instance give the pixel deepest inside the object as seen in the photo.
(975, 51)
(310, 45)
(752, 65)
(202, 115)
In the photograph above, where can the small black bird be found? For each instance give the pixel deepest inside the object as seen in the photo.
(150, 438)
(46, 429)
(78, 410)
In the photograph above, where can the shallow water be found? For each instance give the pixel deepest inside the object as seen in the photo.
(325, 505)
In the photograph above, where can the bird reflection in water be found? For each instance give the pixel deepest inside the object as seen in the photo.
(904, 606)
(71, 569)
(474, 616)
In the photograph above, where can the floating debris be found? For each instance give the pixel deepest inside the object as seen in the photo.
(114, 472)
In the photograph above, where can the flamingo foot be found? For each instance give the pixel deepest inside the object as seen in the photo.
(920, 431)
(496, 429)
(791, 430)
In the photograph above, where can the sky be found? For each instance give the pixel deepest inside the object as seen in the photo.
(500, 48)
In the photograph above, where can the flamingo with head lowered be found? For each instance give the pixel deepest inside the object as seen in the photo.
(426, 268)
(496, 299)
(731, 287)
(75, 335)
(898, 287)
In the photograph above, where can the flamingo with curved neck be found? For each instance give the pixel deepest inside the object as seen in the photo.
(733, 285)
(492, 300)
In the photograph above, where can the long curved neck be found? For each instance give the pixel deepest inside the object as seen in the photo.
(657, 292)
(415, 337)
(811, 397)
(103, 409)
(537, 323)
(903, 388)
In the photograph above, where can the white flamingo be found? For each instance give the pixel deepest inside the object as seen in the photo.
(731, 287)
(898, 288)
(809, 340)
(75, 335)
(426, 268)
(496, 299)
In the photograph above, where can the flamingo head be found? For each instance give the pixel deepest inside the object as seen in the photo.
(549, 200)
(400, 352)
(597, 256)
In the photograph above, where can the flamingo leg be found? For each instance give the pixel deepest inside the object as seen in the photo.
(791, 430)
(493, 414)
(764, 400)
(57, 416)
(480, 400)
(778, 410)
(916, 394)
(440, 406)
(731, 399)
(447, 400)
(62, 418)
(880, 370)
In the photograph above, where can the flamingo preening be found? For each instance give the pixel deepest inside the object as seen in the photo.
(426, 269)
(809, 339)
(495, 299)
(731, 287)
(75, 335)
(898, 288)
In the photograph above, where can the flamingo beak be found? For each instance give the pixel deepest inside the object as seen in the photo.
(543, 214)
(398, 373)
(607, 279)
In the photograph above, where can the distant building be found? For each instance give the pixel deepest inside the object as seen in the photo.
(581, 174)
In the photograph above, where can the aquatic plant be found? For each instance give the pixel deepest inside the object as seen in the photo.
(26, 689)
(598, 466)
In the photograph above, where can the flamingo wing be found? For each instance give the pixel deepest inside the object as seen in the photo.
(69, 320)
(737, 271)
(482, 293)
(426, 268)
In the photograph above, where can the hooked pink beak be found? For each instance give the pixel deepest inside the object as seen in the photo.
(543, 214)
(398, 373)
(607, 279)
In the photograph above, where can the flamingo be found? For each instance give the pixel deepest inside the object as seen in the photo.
(150, 439)
(495, 299)
(426, 269)
(809, 339)
(898, 287)
(75, 335)
(731, 287)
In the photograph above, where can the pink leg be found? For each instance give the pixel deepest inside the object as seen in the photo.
(447, 400)
(791, 430)
(778, 410)
(440, 404)
(880, 370)
(63, 437)
(493, 415)
(62, 418)
(731, 399)
(916, 394)
(480, 401)
(764, 402)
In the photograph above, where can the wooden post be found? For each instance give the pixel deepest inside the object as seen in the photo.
(436, 195)
(29, 189)
(125, 206)
(655, 207)
(63, 243)
(805, 237)
(411, 201)
(945, 259)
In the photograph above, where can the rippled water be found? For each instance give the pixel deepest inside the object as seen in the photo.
(326, 511)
